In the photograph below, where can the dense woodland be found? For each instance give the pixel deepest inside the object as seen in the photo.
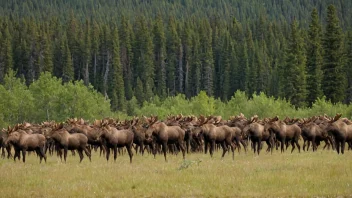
(143, 54)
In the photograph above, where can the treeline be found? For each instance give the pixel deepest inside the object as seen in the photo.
(163, 55)
(246, 11)
(49, 99)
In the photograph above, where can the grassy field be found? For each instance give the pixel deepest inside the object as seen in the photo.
(323, 173)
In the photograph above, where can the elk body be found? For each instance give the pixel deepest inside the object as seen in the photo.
(314, 133)
(165, 135)
(341, 132)
(24, 142)
(3, 146)
(66, 141)
(257, 133)
(114, 138)
(217, 135)
(284, 132)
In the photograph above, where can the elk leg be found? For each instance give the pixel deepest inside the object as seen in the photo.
(2, 152)
(165, 150)
(88, 153)
(244, 145)
(224, 149)
(205, 147)
(182, 147)
(338, 146)
(107, 153)
(129, 150)
(293, 145)
(80, 153)
(41, 150)
(343, 143)
(8, 149)
(24, 155)
(65, 153)
(115, 152)
(212, 148)
(141, 149)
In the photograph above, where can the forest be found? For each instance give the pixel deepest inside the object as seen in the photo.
(101, 58)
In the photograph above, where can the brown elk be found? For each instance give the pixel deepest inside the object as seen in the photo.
(257, 131)
(314, 133)
(139, 136)
(284, 132)
(92, 132)
(340, 131)
(215, 134)
(165, 135)
(64, 140)
(114, 138)
(3, 146)
(24, 142)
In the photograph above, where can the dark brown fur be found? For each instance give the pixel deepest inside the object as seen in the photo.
(27, 142)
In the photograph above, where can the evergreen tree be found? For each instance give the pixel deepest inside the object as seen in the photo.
(348, 66)
(295, 71)
(207, 58)
(173, 45)
(126, 55)
(66, 61)
(334, 78)
(195, 82)
(6, 61)
(314, 59)
(160, 56)
(116, 88)
(143, 56)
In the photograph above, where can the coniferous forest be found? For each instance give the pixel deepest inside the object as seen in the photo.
(140, 55)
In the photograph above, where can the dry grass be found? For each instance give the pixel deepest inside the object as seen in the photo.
(323, 173)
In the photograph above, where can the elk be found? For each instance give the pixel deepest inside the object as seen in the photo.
(114, 138)
(284, 132)
(340, 131)
(64, 140)
(215, 134)
(165, 135)
(24, 142)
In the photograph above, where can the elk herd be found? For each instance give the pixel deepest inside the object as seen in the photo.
(186, 134)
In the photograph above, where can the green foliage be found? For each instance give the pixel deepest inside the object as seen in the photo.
(334, 79)
(314, 59)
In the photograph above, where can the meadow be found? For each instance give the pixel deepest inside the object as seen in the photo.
(305, 174)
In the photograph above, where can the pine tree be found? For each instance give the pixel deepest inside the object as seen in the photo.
(173, 45)
(116, 88)
(126, 55)
(6, 58)
(187, 56)
(66, 65)
(86, 45)
(143, 56)
(334, 79)
(195, 82)
(160, 56)
(95, 53)
(314, 59)
(348, 66)
(47, 57)
(207, 58)
(251, 81)
(295, 71)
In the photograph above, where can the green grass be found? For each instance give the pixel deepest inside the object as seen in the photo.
(323, 173)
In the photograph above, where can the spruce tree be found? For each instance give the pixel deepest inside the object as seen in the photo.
(6, 59)
(348, 67)
(66, 61)
(295, 70)
(126, 55)
(314, 59)
(334, 78)
(173, 45)
(160, 57)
